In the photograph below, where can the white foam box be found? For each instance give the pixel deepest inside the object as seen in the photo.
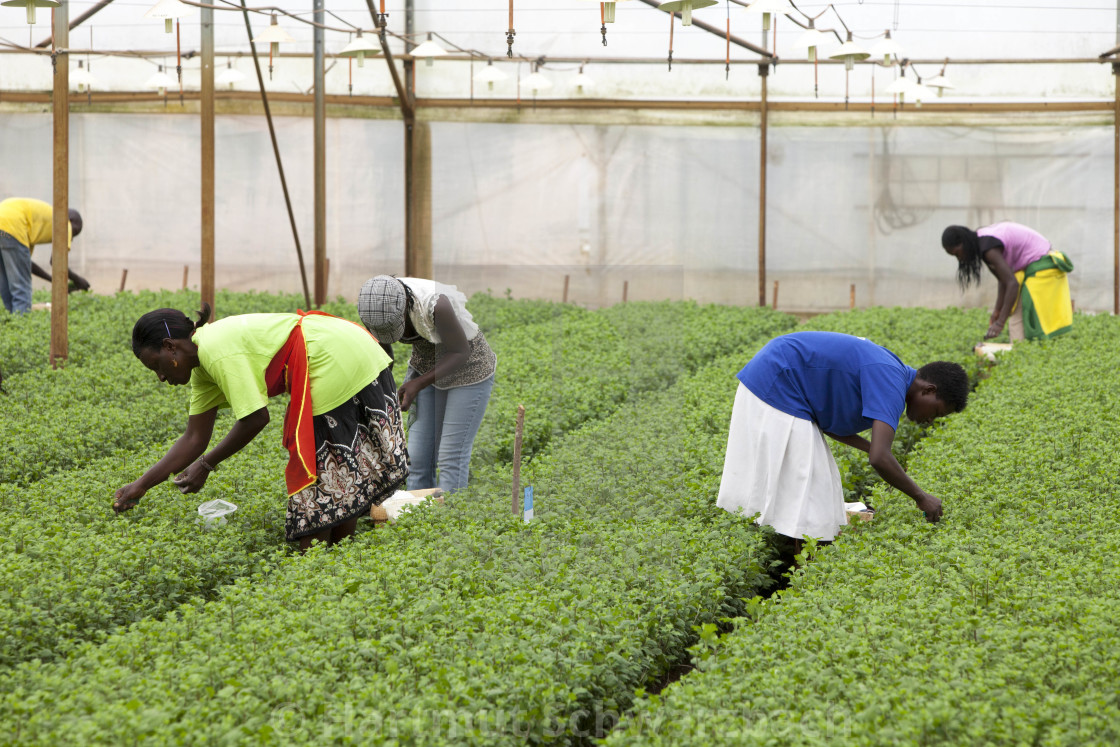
(858, 512)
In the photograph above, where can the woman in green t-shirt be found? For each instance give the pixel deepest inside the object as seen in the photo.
(343, 428)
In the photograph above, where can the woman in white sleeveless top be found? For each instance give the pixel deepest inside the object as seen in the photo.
(450, 373)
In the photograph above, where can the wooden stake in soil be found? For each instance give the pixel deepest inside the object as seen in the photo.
(775, 294)
(516, 505)
(186, 271)
(567, 280)
(625, 290)
(124, 276)
(852, 299)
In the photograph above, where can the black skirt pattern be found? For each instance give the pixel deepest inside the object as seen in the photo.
(361, 458)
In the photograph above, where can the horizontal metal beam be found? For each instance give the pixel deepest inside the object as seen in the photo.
(600, 60)
(79, 100)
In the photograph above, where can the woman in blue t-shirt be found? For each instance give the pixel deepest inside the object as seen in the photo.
(803, 386)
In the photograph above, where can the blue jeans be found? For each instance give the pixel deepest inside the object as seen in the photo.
(15, 275)
(441, 433)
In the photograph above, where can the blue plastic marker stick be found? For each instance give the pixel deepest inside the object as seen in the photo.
(528, 503)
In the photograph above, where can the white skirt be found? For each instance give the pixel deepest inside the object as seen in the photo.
(780, 467)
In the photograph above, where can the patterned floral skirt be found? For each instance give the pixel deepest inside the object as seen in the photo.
(361, 458)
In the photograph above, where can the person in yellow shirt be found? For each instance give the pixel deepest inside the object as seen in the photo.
(343, 428)
(25, 222)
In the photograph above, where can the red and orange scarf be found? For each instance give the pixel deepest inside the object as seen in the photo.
(288, 372)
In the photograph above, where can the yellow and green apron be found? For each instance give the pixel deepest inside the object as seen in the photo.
(1044, 297)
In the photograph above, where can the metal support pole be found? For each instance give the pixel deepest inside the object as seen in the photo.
(60, 226)
(763, 72)
(276, 152)
(320, 161)
(1116, 190)
(417, 170)
(207, 166)
(408, 112)
(409, 30)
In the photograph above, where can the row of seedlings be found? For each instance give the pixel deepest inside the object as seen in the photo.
(995, 626)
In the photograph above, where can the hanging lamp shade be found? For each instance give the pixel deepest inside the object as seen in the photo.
(685, 8)
(907, 88)
(608, 9)
(160, 80)
(31, 5)
(939, 83)
(886, 48)
(583, 81)
(83, 78)
(920, 93)
(767, 8)
(360, 47)
(850, 53)
(537, 82)
(900, 86)
(229, 76)
(428, 50)
(490, 75)
(169, 10)
(812, 39)
(273, 35)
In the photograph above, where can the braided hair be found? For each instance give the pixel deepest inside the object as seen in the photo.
(153, 328)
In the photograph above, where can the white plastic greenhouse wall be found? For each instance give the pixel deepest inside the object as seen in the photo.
(667, 204)
(671, 210)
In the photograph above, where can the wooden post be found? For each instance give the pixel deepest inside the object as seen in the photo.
(775, 301)
(186, 271)
(124, 276)
(419, 196)
(852, 298)
(206, 255)
(763, 72)
(567, 279)
(60, 225)
(320, 157)
(625, 290)
(516, 505)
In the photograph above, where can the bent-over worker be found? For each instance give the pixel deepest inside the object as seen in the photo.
(1033, 294)
(343, 428)
(804, 386)
(25, 222)
(450, 373)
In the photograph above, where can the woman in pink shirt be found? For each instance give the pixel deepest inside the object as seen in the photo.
(1006, 248)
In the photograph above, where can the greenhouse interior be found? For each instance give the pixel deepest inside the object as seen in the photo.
(592, 157)
(659, 278)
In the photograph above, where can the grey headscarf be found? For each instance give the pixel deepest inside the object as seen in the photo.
(382, 305)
